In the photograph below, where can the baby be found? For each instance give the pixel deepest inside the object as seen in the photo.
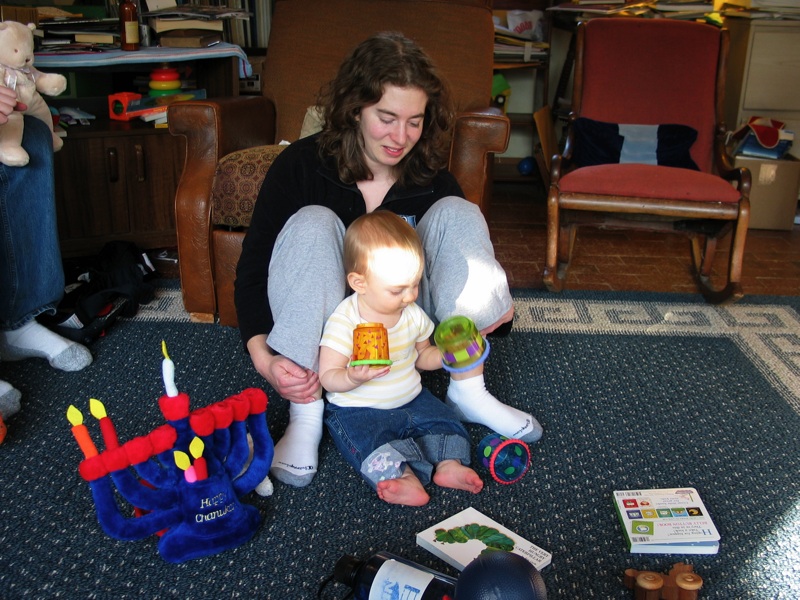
(393, 431)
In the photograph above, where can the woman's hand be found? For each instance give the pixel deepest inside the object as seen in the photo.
(290, 380)
(8, 103)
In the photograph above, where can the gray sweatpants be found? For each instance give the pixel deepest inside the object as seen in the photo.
(307, 279)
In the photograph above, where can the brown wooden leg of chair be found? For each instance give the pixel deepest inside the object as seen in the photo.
(566, 242)
(550, 275)
(709, 251)
(732, 290)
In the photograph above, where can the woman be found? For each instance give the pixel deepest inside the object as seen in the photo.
(384, 146)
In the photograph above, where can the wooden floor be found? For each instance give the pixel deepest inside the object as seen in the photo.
(629, 261)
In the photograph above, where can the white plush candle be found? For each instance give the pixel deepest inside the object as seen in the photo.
(168, 372)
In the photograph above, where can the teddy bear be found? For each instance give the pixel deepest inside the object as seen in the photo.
(18, 73)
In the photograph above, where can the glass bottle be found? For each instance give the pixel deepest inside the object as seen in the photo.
(385, 572)
(129, 25)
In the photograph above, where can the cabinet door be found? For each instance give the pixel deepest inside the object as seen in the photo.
(90, 192)
(117, 187)
(152, 165)
(773, 77)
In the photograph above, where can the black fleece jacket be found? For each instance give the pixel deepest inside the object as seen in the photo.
(298, 178)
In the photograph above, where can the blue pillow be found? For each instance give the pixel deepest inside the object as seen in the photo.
(598, 143)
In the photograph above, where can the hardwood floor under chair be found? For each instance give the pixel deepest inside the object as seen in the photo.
(627, 260)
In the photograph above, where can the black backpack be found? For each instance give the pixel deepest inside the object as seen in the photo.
(99, 289)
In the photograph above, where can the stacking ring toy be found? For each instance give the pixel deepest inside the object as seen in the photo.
(507, 459)
(462, 346)
(371, 345)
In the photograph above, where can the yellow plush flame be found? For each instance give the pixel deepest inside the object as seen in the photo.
(97, 408)
(182, 460)
(164, 349)
(74, 416)
(196, 447)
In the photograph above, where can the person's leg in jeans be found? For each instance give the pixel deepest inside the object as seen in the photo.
(306, 283)
(31, 273)
(462, 277)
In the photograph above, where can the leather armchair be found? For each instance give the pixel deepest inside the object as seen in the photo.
(308, 41)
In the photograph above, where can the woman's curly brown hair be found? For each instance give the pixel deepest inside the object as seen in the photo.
(385, 59)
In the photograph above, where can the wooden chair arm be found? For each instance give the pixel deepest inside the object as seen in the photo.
(724, 164)
(477, 136)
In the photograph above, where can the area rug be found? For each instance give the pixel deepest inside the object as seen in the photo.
(633, 391)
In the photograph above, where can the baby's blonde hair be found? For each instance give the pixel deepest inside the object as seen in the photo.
(375, 230)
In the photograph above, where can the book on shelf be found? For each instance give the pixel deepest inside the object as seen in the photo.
(605, 8)
(196, 11)
(78, 30)
(666, 521)
(162, 24)
(96, 38)
(460, 539)
(678, 6)
(189, 38)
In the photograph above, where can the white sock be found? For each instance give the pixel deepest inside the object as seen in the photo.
(36, 340)
(297, 453)
(9, 399)
(476, 405)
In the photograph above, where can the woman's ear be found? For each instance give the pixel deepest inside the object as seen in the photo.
(357, 282)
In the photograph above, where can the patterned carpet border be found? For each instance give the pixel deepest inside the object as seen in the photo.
(768, 334)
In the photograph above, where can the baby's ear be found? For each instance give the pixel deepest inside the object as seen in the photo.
(357, 282)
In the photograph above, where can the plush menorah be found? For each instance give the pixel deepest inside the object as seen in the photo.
(185, 479)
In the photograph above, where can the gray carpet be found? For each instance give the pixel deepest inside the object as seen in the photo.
(633, 391)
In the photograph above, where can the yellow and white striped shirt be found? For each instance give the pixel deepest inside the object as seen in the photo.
(402, 383)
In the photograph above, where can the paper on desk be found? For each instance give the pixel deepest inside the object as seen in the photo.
(159, 4)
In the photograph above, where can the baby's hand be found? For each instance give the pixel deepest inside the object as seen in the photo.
(362, 373)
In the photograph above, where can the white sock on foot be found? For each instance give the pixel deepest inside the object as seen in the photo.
(36, 340)
(9, 399)
(476, 405)
(297, 453)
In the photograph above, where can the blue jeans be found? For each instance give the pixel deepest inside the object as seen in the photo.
(31, 272)
(424, 432)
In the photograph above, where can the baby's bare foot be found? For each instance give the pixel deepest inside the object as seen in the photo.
(452, 474)
(406, 490)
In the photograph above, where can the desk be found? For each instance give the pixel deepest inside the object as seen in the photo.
(117, 180)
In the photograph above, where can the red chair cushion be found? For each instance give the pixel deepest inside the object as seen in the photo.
(648, 181)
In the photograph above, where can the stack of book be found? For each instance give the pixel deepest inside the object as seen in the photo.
(587, 9)
(683, 9)
(207, 25)
(523, 44)
(762, 9)
(71, 32)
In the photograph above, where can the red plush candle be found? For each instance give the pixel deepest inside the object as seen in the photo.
(107, 428)
(196, 448)
(200, 468)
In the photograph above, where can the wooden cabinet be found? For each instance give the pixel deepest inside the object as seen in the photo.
(763, 76)
(117, 184)
(116, 180)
